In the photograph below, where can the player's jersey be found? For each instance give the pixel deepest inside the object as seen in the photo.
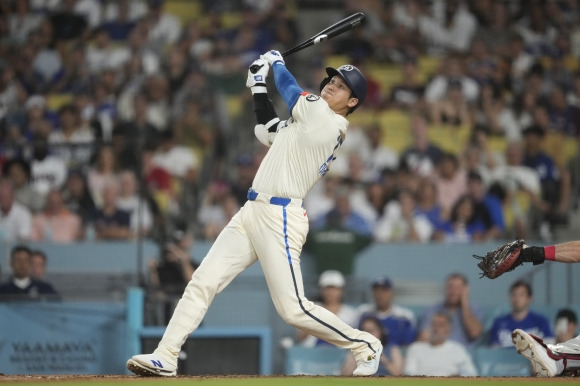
(303, 150)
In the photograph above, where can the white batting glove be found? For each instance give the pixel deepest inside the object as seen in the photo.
(272, 57)
(257, 74)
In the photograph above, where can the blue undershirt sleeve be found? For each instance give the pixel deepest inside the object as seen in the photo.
(286, 85)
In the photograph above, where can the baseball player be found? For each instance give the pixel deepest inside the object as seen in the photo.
(272, 225)
(548, 360)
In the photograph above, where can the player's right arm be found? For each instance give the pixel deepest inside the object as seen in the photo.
(268, 121)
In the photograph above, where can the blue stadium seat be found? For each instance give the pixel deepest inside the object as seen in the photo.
(492, 362)
(314, 360)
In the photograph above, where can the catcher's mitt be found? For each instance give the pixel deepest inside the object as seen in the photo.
(503, 259)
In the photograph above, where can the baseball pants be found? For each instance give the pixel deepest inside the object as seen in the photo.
(271, 230)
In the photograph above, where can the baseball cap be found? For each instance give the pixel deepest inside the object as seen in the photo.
(331, 278)
(35, 101)
(384, 282)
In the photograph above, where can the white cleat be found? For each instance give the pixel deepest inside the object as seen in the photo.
(151, 365)
(370, 365)
(526, 345)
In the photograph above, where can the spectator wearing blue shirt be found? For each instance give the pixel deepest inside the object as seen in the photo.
(463, 226)
(343, 214)
(521, 317)
(488, 207)
(556, 182)
(399, 322)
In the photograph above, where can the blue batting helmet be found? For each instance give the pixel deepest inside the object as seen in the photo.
(353, 78)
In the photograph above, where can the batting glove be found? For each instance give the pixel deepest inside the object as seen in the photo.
(273, 57)
(257, 73)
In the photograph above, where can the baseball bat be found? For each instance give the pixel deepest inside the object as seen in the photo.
(336, 29)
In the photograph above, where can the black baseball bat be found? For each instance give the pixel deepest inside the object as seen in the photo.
(336, 29)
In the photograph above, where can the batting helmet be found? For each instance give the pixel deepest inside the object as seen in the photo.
(353, 78)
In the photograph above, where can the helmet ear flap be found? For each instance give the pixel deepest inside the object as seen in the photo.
(324, 82)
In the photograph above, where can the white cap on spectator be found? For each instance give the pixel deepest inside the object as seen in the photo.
(35, 101)
(331, 278)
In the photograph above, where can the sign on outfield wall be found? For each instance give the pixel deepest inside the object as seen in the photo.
(62, 338)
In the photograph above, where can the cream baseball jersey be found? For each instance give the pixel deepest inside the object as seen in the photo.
(303, 149)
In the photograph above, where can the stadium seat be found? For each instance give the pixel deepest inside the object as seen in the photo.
(396, 127)
(450, 139)
(428, 66)
(55, 101)
(185, 10)
(507, 362)
(314, 360)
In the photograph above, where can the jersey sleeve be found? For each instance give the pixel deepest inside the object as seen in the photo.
(286, 85)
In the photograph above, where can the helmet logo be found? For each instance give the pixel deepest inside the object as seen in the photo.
(346, 67)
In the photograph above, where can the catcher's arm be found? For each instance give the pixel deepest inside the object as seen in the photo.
(509, 256)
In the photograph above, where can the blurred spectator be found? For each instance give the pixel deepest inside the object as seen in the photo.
(391, 362)
(47, 61)
(356, 46)
(179, 161)
(169, 275)
(104, 170)
(216, 209)
(427, 203)
(77, 196)
(452, 110)
(38, 264)
(493, 112)
(451, 182)
(536, 29)
(111, 222)
(246, 167)
(343, 214)
(449, 28)
(135, 9)
(480, 64)
(466, 319)
(564, 118)
(453, 73)
(21, 21)
(71, 140)
(21, 286)
(494, 27)
(331, 286)
(18, 171)
(554, 204)
(521, 185)
(463, 225)
(67, 24)
(131, 200)
(121, 24)
(500, 334)
(380, 155)
(565, 325)
(521, 63)
(422, 155)
(15, 218)
(409, 93)
(440, 355)
(91, 10)
(164, 28)
(573, 96)
(193, 131)
(76, 75)
(488, 208)
(401, 222)
(398, 321)
(56, 223)
(103, 54)
(11, 91)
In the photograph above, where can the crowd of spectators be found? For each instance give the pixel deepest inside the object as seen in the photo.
(438, 339)
(127, 116)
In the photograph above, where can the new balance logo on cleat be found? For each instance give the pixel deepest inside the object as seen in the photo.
(156, 363)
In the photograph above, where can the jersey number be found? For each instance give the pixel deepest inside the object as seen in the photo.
(325, 167)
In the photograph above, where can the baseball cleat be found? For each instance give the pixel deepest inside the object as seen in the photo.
(369, 365)
(151, 365)
(533, 349)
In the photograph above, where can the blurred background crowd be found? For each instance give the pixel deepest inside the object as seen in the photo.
(127, 119)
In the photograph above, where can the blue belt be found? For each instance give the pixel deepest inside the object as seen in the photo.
(281, 201)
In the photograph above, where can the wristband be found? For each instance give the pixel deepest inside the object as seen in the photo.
(550, 252)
